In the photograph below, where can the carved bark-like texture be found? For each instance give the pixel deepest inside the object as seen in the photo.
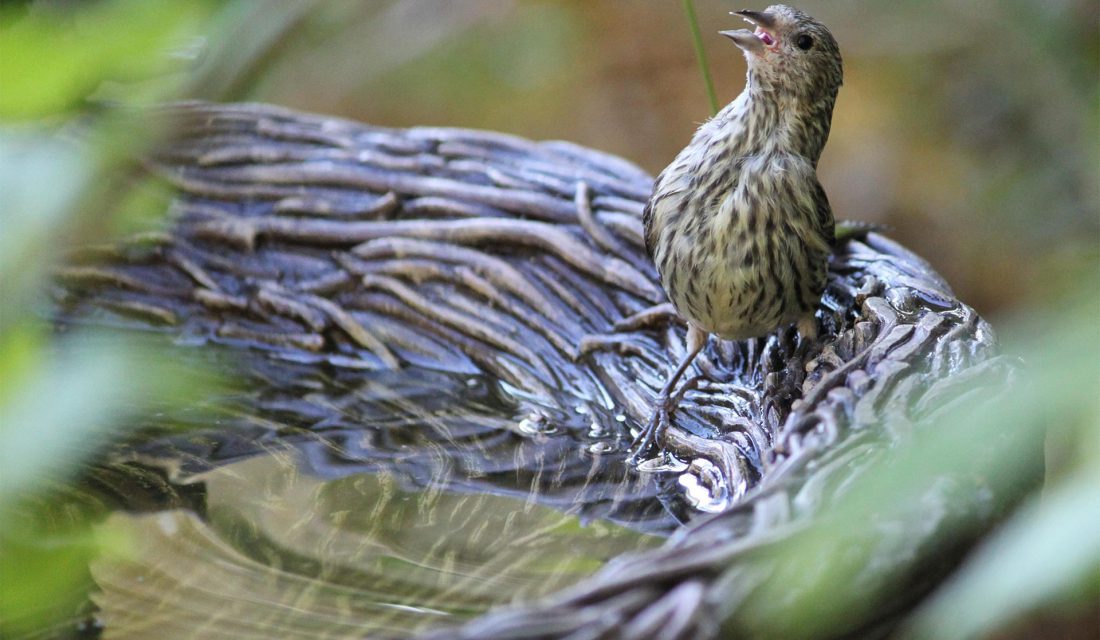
(455, 252)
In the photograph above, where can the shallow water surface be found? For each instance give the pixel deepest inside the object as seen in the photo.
(327, 502)
(291, 553)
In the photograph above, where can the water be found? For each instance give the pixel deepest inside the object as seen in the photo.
(332, 502)
(278, 549)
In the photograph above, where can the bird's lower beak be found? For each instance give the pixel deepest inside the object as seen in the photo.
(745, 39)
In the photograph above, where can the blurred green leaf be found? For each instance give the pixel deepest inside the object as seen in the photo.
(40, 182)
(21, 346)
(44, 574)
(1048, 553)
(141, 207)
(52, 58)
(825, 576)
(63, 397)
(59, 404)
(70, 401)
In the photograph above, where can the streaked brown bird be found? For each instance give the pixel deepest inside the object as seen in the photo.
(738, 226)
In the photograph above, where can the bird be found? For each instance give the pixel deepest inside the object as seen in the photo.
(738, 226)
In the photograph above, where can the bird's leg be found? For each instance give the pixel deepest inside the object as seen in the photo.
(618, 340)
(807, 328)
(666, 402)
(807, 336)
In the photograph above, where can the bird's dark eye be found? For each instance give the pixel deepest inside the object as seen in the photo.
(805, 42)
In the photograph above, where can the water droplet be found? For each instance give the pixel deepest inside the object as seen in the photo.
(662, 463)
(620, 417)
(600, 447)
(704, 486)
(534, 424)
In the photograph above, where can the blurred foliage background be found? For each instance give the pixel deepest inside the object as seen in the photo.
(970, 128)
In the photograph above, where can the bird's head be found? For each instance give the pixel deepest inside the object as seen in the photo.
(790, 52)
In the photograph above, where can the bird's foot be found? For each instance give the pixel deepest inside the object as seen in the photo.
(807, 336)
(649, 439)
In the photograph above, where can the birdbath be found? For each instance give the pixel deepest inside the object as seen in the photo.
(438, 315)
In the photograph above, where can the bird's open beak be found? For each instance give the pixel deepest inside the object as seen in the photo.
(754, 41)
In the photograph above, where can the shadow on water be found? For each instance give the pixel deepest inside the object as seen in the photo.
(334, 501)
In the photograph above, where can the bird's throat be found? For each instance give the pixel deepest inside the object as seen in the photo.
(785, 122)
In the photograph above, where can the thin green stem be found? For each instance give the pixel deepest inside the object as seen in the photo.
(700, 53)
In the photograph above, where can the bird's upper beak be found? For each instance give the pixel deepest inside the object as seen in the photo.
(759, 18)
(754, 41)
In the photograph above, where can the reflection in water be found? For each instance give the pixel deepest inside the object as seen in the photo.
(331, 502)
(295, 555)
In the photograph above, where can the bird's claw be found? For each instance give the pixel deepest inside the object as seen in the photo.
(648, 439)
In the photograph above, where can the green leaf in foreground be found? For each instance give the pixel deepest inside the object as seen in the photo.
(51, 59)
(824, 578)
